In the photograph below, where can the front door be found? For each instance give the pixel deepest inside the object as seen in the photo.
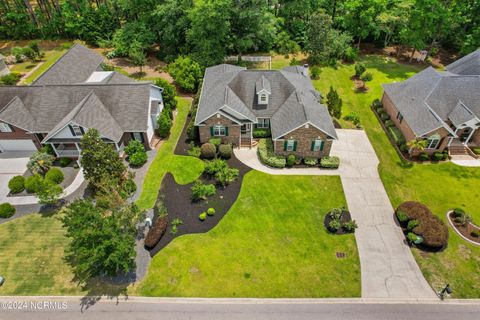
(465, 134)
(245, 129)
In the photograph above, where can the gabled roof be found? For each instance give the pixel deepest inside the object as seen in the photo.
(461, 115)
(16, 114)
(74, 67)
(468, 65)
(91, 113)
(292, 101)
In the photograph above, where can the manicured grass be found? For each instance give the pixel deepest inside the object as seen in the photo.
(32, 257)
(439, 186)
(272, 243)
(49, 59)
(185, 169)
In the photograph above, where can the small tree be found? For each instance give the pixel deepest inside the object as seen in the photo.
(315, 72)
(366, 77)
(417, 144)
(164, 124)
(186, 73)
(359, 69)
(40, 162)
(169, 93)
(34, 45)
(137, 56)
(334, 103)
(49, 192)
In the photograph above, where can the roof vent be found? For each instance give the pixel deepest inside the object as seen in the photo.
(305, 70)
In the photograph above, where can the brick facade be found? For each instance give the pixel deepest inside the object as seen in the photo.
(304, 137)
(127, 136)
(233, 130)
(20, 134)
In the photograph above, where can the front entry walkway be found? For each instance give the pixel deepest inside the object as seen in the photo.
(387, 264)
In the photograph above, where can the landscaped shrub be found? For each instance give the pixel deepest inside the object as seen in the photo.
(55, 175)
(156, 232)
(445, 154)
(389, 123)
(16, 184)
(226, 176)
(202, 216)
(475, 233)
(423, 156)
(412, 237)
(208, 151)
(192, 130)
(377, 104)
(216, 142)
(40, 162)
(350, 54)
(335, 213)
(64, 161)
(334, 225)
(457, 212)
(47, 148)
(225, 151)
(433, 230)
(384, 116)
(437, 156)
(266, 155)
(404, 148)
(310, 161)
(290, 160)
(10, 79)
(350, 226)
(33, 183)
(194, 151)
(211, 211)
(261, 133)
(164, 123)
(476, 150)
(213, 166)
(397, 135)
(330, 162)
(6, 210)
(133, 147)
(138, 159)
(201, 191)
(412, 224)
(353, 117)
(401, 216)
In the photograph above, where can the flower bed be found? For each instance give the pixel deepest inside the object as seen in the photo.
(461, 223)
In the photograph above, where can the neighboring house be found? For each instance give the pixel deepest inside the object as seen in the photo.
(441, 107)
(234, 101)
(3, 66)
(72, 96)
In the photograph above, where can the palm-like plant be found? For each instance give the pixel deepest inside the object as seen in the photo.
(417, 144)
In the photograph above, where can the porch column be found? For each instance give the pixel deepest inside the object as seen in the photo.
(54, 149)
(469, 137)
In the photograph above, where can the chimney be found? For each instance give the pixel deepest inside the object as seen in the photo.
(305, 70)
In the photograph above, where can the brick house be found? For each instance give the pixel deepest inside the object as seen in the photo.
(73, 95)
(234, 102)
(440, 107)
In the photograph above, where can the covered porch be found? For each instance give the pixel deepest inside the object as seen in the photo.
(72, 149)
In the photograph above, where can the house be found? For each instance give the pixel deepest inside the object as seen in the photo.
(3, 66)
(72, 96)
(442, 107)
(235, 101)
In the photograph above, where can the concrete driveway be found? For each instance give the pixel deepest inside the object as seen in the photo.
(388, 267)
(11, 164)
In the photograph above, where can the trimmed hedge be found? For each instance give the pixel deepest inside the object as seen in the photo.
(65, 161)
(261, 133)
(33, 183)
(156, 232)
(290, 160)
(423, 156)
(225, 151)
(397, 135)
(384, 116)
(389, 123)
(6, 210)
(433, 230)
(330, 162)
(55, 175)
(266, 155)
(311, 162)
(16, 184)
(208, 150)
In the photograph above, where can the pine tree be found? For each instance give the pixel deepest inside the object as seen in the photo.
(334, 103)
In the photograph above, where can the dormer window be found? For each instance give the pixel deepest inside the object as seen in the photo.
(263, 90)
(263, 98)
(76, 130)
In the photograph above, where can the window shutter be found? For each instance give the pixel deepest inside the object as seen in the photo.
(71, 130)
(312, 147)
(226, 131)
(82, 130)
(285, 145)
(321, 145)
(295, 145)
(211, 131)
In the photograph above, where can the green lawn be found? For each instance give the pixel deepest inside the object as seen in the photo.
(272, 243)
(185, 169)
(439, 186)
(48, 60)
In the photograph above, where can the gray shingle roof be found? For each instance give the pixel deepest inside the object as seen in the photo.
(74, 67)
(293, 100)
(468, 65)
(461, 114)
(17, 114)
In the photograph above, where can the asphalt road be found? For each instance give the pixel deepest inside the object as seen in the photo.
(165, 309)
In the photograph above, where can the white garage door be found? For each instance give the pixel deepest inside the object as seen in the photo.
(17, 145)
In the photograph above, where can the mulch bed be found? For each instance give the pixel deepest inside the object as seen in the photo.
(346, 217)
(183, 142)
(179, 205)
(464, 230)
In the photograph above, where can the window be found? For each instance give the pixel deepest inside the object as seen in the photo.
(432, 142)
(138, 136)
(263, 97)
(76, 130)
(290, 145)
(218, 131)
(399, 117)
(4, 127)
(317, 145)
(263, 123)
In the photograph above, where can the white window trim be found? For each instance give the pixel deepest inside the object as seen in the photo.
(5, 127)
(219, 133)
(76, 130)
(290, 145)
(317, 145)
(263, 123)
(430, 141)
(137, 136)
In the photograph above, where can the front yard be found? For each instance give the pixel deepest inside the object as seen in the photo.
(272, 243)
(440, 186)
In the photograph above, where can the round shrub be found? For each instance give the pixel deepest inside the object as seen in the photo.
(412, 224)
(384, 116)
(55, 175)
(310, 161)
(404, 147)
(65, 161)
(202, 216)
(208, 150)
(475, 233)
(389, 123)
(401, 216)
(290, 160)
(211, 211)
(437, 156)
(16, 184)
(458, 212)
(423, 156)
(225, 151)
(138, 158)
(6, 210)
(33, 183)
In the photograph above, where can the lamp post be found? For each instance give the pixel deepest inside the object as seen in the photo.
(444, 291)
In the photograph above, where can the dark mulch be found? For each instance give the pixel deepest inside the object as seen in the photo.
(183, 142)
(466, 230)
(346, 217)
(179, 205)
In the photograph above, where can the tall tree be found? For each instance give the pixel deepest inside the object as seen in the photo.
(359, 18)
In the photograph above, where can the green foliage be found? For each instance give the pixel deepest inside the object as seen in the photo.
(194, 151)
(412, 224)
(134, 37)
(261, 133)
(290, 160)
(49, 192)
(353, 117)
(226, 175)
(266, 155)
(376, 104)
(10, 79)
(389, 123)
(225, 151)
(437, 156)
(202, 216)
(359, 69)
(334, 225)
(214, 166)
(315, 72)
(350, 226)
(137, 55)
(475, 233)
(211, 211)
(133, 147)
(169, 93)
(192, 130)
(311, 162)
(412, 237)
(366, 77)
(285, 45)
(201, 191)
(6, 210)
(330, 162)
(215, 141)
(16, 184)
(138, 159)
(55, 175)
(335, 213)
(47, 148)
(186, 73)
(33, 183)
(334, 103)
(423, 156)
(396, 135)
(208, 150)
(64, 161)
(402, 216)
(164, 123)
(351, 54)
